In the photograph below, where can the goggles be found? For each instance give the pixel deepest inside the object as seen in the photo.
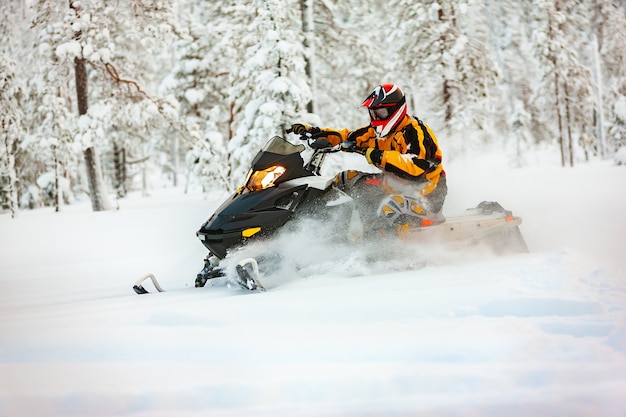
(380, 113)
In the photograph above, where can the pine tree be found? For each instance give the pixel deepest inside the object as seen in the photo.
(508, 40)
(351, 58)
(218, 79)
(124, 114)
(444, 65)
(609, 22)
(11, 130)
(200, 80)
(308, 43)
(270, 88)
(557, 42)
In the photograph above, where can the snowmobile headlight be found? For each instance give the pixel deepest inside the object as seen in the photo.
(260, 180)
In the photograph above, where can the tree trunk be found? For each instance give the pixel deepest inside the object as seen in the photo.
(447, 101)
(175, 161)
(119, 162)
(597, 75)
(446, 88)
(557, 99)
(568, 119)
(308, 29)
(97, 189)
(10, 132)
(10, 151)
(57, 189)
(558, 113)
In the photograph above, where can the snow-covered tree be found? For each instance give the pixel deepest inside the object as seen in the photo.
(351, 58)
(617, 130)
(508, 40)
(269, 90)
(214, 80)
(118, 53)
(10, 130)
(67, 31)
(559, 35)
(449, 71)
(308, 42)
(200, 81)
(609, 21)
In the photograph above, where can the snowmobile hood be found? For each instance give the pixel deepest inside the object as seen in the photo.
(244, 215)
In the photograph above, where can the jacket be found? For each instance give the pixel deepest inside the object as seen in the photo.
(410, 151)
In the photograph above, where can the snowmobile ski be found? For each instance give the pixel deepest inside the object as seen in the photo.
(248, 275)
(210, 270)
(139, 288)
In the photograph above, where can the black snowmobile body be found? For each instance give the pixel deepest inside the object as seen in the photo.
(278, 186)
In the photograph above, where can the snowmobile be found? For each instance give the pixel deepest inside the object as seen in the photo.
(280, 187)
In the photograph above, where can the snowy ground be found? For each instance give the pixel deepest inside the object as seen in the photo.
(467, 334)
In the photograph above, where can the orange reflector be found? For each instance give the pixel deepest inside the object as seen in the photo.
(427, 222)
(373, 181)
(509, 218)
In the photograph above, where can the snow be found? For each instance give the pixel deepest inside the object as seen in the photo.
(194, 95)
(69, 49)
(458, 334)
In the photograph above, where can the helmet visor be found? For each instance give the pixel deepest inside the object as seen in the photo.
(380, 113)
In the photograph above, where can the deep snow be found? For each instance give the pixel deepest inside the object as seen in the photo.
(459, 334)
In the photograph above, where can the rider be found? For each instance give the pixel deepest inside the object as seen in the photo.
(411, 189)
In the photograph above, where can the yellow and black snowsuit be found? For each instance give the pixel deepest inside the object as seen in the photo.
(410, 152)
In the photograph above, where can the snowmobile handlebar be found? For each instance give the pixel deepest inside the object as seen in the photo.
(318, 142)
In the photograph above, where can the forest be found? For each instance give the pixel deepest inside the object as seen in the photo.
(99, 98)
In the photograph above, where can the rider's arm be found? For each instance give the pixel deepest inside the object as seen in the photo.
(334, 139)
(408, 166)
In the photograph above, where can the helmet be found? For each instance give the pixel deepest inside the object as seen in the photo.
(387, 106)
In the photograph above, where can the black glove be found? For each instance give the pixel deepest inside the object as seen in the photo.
(351, 147)
(301, 129)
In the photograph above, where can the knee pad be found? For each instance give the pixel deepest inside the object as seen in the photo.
(347, 179)
(400, 210)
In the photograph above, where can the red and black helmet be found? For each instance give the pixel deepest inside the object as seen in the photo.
(387, 107)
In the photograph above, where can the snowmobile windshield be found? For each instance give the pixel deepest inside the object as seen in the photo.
(278, 151)
(278, 161)
(280, 146)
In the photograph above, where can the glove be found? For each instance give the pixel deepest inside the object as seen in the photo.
(301, 128)
(373, 156)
